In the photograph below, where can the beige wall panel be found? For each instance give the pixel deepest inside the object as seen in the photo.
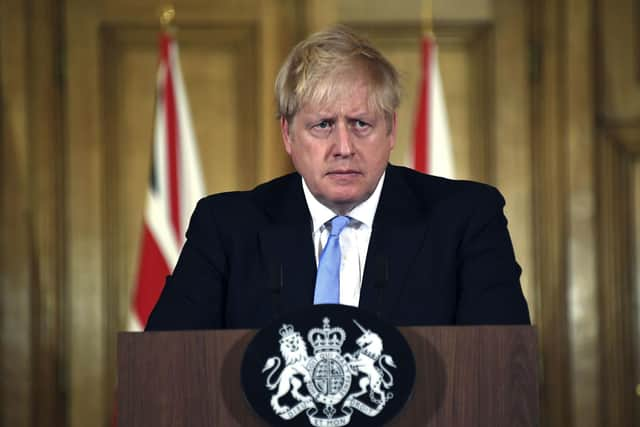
(619, 369)
(404, 53)
(618, 112)
(635, 215)
(456, 63)
(548, 160)
(274, 45)
(380, 11)
(468, 106)
(31, 256)
(47, 208)
(15, 280)
(221, 70)
(187, 11)
(464, 10)
(409, 10)
(15, 219)
(320, 14)
(619, 59)
(84, 201)
(581, 215)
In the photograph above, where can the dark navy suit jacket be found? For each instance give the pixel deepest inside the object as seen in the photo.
(439, 254)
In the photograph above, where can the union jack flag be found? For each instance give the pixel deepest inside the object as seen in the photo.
(432, 149)
(175, 184)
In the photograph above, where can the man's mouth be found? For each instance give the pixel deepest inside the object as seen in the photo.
(344, 172)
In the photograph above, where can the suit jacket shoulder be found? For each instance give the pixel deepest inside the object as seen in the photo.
(278, 201)
(448, 252)
(432, 191)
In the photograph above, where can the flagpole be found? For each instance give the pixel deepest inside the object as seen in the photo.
(167, 18)
(426, 18)
(432, 150)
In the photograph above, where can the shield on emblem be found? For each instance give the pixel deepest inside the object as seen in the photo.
(328, 377)
(331, 378)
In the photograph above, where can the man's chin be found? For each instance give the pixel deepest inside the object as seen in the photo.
(343, 202)
(344, 176)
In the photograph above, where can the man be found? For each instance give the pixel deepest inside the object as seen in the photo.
(347, 227)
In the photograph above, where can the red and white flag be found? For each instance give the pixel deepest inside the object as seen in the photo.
(175, 185)
(432, 149)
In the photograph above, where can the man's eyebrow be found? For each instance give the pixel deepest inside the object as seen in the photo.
(366, 115)
(320, 116)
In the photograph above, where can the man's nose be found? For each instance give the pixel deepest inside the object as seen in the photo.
(344, 145)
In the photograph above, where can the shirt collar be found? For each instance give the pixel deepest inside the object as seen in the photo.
(363, 213)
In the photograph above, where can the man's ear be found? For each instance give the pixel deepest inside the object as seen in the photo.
(286, 134)
(393, 131)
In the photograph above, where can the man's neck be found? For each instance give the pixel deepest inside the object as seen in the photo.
(363, 211)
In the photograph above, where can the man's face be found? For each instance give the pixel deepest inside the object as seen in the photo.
(340, 149)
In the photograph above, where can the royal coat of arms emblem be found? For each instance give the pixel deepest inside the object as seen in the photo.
(329, 385)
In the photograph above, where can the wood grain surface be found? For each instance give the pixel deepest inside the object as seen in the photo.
(466, 376)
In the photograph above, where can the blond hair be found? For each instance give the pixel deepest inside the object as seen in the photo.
(328, 63)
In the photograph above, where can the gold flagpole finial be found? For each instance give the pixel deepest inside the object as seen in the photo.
(427, 18)
(167, 16)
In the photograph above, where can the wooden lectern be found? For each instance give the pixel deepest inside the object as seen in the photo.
(465, 376)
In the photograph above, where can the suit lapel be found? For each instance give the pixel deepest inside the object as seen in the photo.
(398, 234)
(286, 244)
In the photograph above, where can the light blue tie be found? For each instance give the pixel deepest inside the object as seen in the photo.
(328, 277)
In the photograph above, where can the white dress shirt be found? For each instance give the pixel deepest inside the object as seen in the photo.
(354, 239)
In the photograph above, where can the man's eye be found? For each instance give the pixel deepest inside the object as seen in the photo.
(361, 127)
(322, 128)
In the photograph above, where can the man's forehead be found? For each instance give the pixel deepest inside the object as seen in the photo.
(338, 109)
(345, 103)
(339, 92)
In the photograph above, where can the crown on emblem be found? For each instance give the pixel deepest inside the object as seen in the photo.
(286, 331)
(327, 338)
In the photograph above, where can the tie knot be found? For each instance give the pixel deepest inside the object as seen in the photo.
(337, 224)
